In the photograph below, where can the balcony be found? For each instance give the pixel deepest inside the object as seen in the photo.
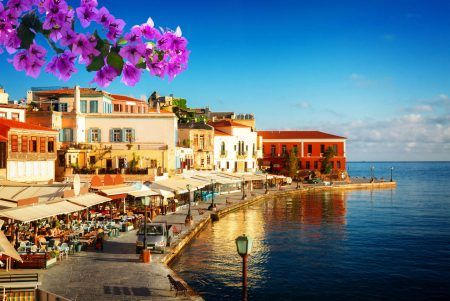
(31, 156)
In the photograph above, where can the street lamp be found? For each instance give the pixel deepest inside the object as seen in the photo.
(188, 221)
(372, 173)
(296, 177)
(244, 247)
(145, 202)
(392, 169)
(212, 207)
(267, 184)
(243, 187)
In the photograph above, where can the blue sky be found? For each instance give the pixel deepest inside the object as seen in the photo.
(376, 72)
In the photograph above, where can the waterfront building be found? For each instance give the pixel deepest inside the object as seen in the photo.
(4, 97)
(184, 159)
(236, 147)
(198, 136)
(103, 132)
(309, 147)
(27, 152)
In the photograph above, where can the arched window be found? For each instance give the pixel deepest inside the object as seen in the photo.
(222, 148)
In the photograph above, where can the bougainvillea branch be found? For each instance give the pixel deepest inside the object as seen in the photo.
(127, 54)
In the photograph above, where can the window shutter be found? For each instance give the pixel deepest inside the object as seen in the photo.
(99, 135)
(61, 135)
(111, 135)
(90, 135)
(71, 135)
(124, 138)
(133, 136)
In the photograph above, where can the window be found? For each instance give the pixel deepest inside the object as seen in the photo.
(316, 164)
(272, 150)
(15, 116)
(308, 165)
(222, 149)
(284, 150)
(300, 165)
(3, 152)
(228, 165)
(295, 149)
(322, 148)
(33, 145)
(332, 165)
(63, 107)
(42, 144)
(202, 141)
(3, 115)
(309, 148)
(195, 140)
(93, 106)
(335, 148)
(94, 135)
(202, 162)
(338, 164)
(116, 135)
(92, 160)
(83, 106)
(24, 147)
(14, 143)
(51, 145)
(116, 108)
(129, 135)
(208, 159)
(66, 135)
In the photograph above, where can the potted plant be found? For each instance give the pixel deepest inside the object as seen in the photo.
(51, 258)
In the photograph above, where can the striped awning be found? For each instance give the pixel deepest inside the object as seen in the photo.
(88, 200)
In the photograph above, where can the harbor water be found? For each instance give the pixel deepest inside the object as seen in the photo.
(390, 244)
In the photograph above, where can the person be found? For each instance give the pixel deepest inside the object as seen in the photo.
(99, 243)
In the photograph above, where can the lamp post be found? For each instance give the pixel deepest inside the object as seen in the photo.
(244, 247)
(392, 169)
(296, 177)
(372, 173)
(188, 221)
(212, 207)
(243, 187)
(267, 184)
(145, 202)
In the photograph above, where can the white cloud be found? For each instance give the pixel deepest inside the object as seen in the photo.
(423, 108)
(360, 80)
(303, 104)
(412, 118)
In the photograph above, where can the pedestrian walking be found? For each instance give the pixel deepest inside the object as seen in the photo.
(99, 242)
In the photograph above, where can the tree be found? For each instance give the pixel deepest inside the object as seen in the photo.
(326, 160)
(293, 164)
(180, 103)
(24, 23)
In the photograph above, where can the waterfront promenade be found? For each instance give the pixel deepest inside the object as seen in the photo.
(118, 274)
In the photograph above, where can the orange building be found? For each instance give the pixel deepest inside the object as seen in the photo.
(308, 145)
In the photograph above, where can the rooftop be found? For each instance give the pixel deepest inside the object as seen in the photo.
(125, 98)
(195, 125)
(69, 91)
(297, 135)
(7, 124)
(227, 123)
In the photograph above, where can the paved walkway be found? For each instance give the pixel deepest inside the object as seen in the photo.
(115, 274)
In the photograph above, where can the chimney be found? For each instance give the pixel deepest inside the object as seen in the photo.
(76, 101)
(157, 107)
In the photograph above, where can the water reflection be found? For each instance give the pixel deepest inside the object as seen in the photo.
(282, 227)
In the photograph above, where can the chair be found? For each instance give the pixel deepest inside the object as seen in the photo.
(34, 249)
(63, 250)
(22, 247)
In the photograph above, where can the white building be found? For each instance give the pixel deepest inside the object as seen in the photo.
(236, 147)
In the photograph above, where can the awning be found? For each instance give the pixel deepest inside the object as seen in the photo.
(7, 204)
(40, 211)
(7, 249)
(166, 194)
(117, 189)
(144, 193)
(88, 200)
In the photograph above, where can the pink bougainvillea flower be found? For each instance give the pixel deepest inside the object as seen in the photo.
(130, 74)
(85, 46)
(115, 29)
(134, 35)
(133, 52)
(86, 14)
(62, 65)
(149, 32)
(20, 60)
(68, 37)
(105, 76)
(104, 17)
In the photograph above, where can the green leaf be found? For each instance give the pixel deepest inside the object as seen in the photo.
(25, 35)
(97, 63)
(141, 65)
(122, 41)
(116, 61)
